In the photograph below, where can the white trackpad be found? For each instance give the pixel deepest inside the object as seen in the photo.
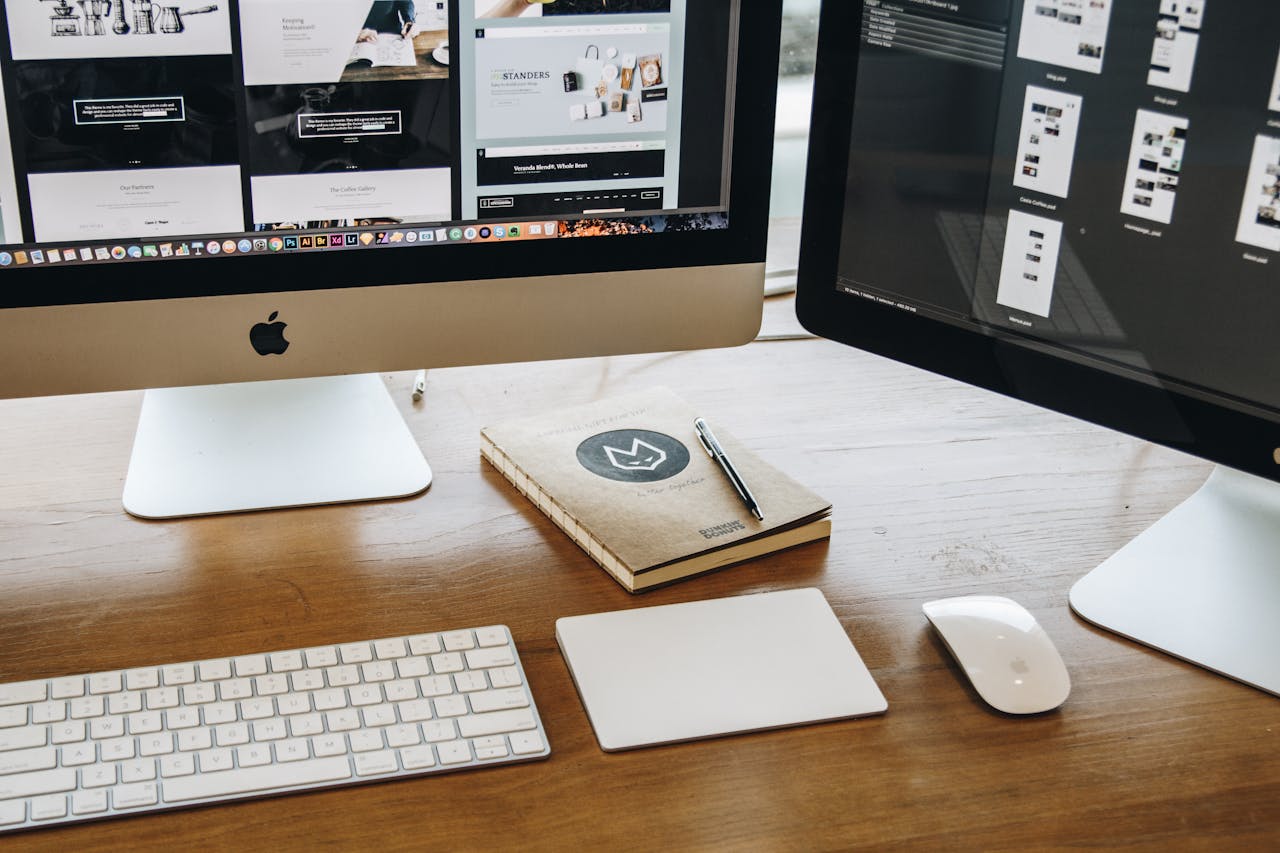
(679, 672)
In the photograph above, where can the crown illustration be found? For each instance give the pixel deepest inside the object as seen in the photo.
(642, 456)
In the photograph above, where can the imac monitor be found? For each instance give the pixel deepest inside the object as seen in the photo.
(1078, 204)
(307, 190)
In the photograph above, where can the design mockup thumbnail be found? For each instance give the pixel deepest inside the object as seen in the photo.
(1260, 213)
(1069, 33)
(1030, 263)
(1155, 166)
(97, 29)
(1173, 57)
(1047, 144)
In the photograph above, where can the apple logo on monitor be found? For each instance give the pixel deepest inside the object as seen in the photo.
(268, 338)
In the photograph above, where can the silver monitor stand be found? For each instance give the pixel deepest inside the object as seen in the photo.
(1203, 583)
(268, 445)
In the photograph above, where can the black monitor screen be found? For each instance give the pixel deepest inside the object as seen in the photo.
(1095, 179)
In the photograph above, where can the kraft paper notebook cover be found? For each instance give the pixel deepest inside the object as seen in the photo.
(627, 479)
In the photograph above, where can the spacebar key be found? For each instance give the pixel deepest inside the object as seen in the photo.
(250, 779)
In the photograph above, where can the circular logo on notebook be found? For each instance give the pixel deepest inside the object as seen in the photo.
(633, 455)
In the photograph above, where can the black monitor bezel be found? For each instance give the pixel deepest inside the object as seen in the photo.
(759, 35)
(990, 358)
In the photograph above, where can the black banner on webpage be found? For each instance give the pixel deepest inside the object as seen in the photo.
(544, 164)
(585, 203)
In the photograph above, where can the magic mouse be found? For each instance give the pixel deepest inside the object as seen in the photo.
(1008, 657)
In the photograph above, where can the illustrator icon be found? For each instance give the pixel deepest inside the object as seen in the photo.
(633, 455)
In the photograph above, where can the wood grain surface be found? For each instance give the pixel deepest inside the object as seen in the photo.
(939, 489)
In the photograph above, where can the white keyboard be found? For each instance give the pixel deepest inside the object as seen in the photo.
(88, 747)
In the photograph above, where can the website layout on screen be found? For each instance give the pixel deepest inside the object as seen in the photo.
(137, 130)
(1096, 178)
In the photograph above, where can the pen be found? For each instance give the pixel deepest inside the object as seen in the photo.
(716, 452)
(419, 385)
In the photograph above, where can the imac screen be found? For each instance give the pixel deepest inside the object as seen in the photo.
(136, 133)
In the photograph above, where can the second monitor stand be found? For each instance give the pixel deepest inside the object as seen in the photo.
(216, 449)
(1203, 583)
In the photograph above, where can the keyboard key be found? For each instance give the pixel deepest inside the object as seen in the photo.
(128, 702)
(403, 735)
(254, 755)
(232, 734)
(415, 711)
(134, 796)
(373, 763)
(488, 658)
(286, 661)
(98, 776)
(178, 674)
(307, 679)
(23, 693)
(439, 730)
(61, 733)
(142, 679)
(478, 725)
(447, 662)
(195, 739)
(454, 752)
(365, 694)
(13, 716)
(495, 635)
(160, 743)
(417, 757)
(425, 644)
(342, 676)
(400, 691)
(451, 706)
(526, 743)
(355, 652)
(182, 718)
(105, 727)
(457, 641)
(138, 770)
(246, 780)
(145, 723)
(489, 748)
(365, 740)
(388, 649)
(218, 713)
(214, 670)
(23, 738)
(48, 712)
(293, 749)
(31, 784)
(498, 700)
(12, 812)
(199, 694)
(257, 709)
(306, 724)
(322, 656)
(271, 685)
(88, 802)
(66, 688)
(117, 749)
(436, 685)
(177, 765)
(507, 676)
(26, 760)
(106, 682)
(234, 689)
(330, 744)
(214, 760)
(79, 755)
(86, 707)
(378, 670)
(273, 729)
(469, 682)
(328, 700)
(49, 807)
(250, 665)
(413, 667)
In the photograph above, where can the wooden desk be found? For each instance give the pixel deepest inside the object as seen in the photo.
(939, 490)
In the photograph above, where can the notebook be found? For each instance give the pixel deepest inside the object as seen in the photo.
(680, 672)
(626, 478)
